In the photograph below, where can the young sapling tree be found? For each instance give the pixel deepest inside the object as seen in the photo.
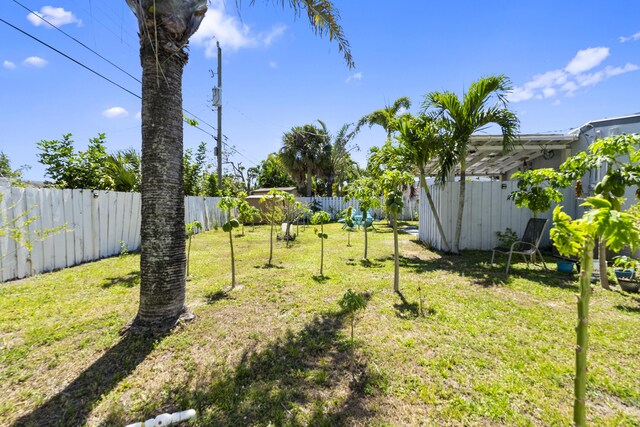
(320, 218)
(351, 302)
(191, 228)
(348, 220)
(272, 200)
(227, 203)
(393, 181)
(367, 192)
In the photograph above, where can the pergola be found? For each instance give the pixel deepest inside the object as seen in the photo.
(486, 158)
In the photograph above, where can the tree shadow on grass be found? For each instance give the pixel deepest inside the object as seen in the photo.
(405, 309)
(367, 263)
(628, 308)
(268, 266)
(219, 295)
(320, 278)
(71, 406)
(279, 383)
(129, 280)
(475, 266)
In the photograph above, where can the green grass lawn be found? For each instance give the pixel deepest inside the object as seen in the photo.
(275, 351)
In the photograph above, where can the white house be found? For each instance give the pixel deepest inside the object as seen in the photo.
(487, 209)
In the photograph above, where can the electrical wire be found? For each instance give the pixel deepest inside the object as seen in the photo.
(113, 82)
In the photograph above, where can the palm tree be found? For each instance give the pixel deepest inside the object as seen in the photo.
(336, 157)
(301, 153)
(386, 116)
(122, 169)
(463, 117)
(421, 139)
(164, 27)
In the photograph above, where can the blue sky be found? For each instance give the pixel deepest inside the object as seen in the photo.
(570, 62)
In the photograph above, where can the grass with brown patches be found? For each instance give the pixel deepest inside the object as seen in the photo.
(276, 350)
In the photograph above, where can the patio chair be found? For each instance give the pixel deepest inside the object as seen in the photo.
(527, 246)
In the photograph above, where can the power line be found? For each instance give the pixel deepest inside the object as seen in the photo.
(116, 84)
(77, 41)
(70, 58)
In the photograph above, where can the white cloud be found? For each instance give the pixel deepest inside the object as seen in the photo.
(55, 15)
(273, 64)
(35, 61)
(232, 34)
(573, 77)
(276, 32)
(615, 71)
(8, 65)
(635, 37)
(138, 115)
(115, 113)
(355, 76)
(587, 59)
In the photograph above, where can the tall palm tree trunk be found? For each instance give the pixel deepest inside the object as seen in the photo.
(162, 260)
(436, 216)
(463, 184)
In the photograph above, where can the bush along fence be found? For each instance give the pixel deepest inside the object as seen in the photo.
(92, 224)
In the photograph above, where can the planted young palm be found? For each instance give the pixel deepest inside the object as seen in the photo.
(321, 218)
(392, 182)
(348, 220)
(164, 27)
(463, 117)
(420, 139)
(385, 117)
(227, 203)
(352, 302)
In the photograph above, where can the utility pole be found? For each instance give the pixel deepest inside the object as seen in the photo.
(219, 146)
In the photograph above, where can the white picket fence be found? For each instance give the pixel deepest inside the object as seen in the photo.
(486, 211)
(97, 224)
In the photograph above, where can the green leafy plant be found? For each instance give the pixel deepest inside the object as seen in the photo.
(347, 214)
(227, 203)
(273, 201)
(191, 228)
(393, 181)
(507, 237)
(124, 249)
(352, 302)
(536, 190)
(321, 218)
(367, 192)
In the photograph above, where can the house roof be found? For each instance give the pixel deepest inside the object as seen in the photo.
(485, 156)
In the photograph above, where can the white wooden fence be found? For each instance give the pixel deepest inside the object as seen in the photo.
(335, 205)
(97, 224)
(486, 211)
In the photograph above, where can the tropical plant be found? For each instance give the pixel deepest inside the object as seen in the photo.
(347, 214)
(227, 203)
(164, 27)
(535, 191)
(386, 116)
(621, 158)
(274, 214)
(463, 117)
(272, 173)
(292, 211)
(321, 218)
(577, 237)
(301, 154)
(122, 170)
(420, 139)
(335, 160)
(602, 220)
(367, 192)
(393, 181)
(191, 228)
(351, 302)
